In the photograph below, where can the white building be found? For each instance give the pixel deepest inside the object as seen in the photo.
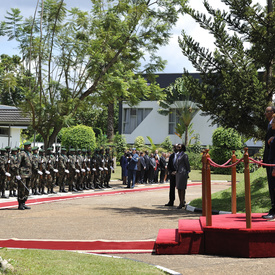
(144, 120)
(12, 121)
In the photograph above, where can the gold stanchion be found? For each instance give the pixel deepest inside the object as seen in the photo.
(208, 191)
(233, 185)
(203, 175)
(247, 189)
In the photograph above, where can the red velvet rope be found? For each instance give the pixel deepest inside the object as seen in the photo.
(212, 163)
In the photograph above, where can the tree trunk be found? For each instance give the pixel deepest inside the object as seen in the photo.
(110, 122)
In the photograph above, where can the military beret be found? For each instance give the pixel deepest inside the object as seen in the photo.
(14, 149)
(41, 150)
(49, 149)
(27, 143)
(84, 150)
(7, 147)
(72, 150)
(3, 150)
(63, 149)
(35, 148)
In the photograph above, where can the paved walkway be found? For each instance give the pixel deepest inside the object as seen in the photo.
(123, 216)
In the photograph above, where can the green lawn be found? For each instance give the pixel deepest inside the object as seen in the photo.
(36, 262)
(260, 200)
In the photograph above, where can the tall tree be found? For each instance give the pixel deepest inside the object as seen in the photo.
(232, 90)
(178, 98)
(72, 55)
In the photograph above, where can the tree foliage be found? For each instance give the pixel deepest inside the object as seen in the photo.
(72, 55)
(232, 91)
(79, 136)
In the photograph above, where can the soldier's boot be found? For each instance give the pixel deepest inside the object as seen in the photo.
(43, 191)
(37, 192)
(21, 205)
(3, 195)
(14, 193)
(11, 194)
(60, 189)
(108, 185)
(52, 192)
(86, 187)
(70, 188)
(49, 191)
(74, 189)
(25, 206)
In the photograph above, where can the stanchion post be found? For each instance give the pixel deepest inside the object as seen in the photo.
(233, 185)
(203, 176)
(247, 189)
(208, 190)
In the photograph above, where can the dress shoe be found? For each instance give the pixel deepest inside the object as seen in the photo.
(169, 204)
(268, 216)
(21, 206)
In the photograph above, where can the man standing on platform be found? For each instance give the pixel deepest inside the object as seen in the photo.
(172, 172)
(24, 177)
(268, 139)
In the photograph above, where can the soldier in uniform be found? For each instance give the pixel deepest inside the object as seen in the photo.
(97, 164)
(24, 177)
(35, 170)
(3, 173)
(13, 171)
(42, 162)
(62, 170)
(79, 173)
(50, 178)
(109, 164)
(72, 170)
(90, 170)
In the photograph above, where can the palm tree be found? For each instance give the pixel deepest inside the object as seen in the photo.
(178, 98)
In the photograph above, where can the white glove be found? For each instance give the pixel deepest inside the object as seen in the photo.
(8, 174)
(55, 170)
(48, 172)
(40, 173)
(69, 160)
(42, 161)
(94, 169)
(67, 171)
(77, 171)
(105, 168)
(100, 168)
(83, 170)
(18, 177)
(50, 161)
(88, 169)
(9, 161)
(112, 167)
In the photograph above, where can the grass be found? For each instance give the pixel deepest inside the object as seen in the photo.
(260, 200)
(36, 262)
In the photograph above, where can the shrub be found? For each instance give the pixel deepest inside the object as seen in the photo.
(195, 160)
(119, 144)
(167, 145)
(79, 136)
(224, 142)
(139, 142)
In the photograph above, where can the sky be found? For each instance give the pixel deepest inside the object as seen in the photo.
(172, 52)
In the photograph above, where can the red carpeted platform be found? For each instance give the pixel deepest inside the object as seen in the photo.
(227, 236)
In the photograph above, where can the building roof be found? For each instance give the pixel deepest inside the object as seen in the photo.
(10, 115)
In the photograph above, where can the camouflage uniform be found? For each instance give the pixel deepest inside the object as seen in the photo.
(35, 169)
(62, 168)
(109, 164)
(72, 172)
(25, 171)
(13, 170)
(50, 178)
(42, 162)
(79, 174)
(3, 173)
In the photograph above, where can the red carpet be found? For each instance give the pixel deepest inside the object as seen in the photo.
(102, 246)
(227, 236)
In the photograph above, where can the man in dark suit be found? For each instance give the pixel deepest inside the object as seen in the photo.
(172, 172)
(147, 165)
(142, 167)
(162, 165)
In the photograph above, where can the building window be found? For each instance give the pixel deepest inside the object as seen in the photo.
(132, 117)
(173, 121)
(4, 132)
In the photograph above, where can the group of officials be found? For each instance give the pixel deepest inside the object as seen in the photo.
(39, 171)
